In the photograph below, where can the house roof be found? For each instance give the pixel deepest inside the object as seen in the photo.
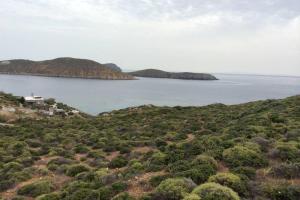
(34, 98)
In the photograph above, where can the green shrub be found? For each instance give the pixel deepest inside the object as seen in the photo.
(106, 193)
(205, 160)
(215, 191)
(173, 188)
(118, 162)
(156, 180)
(136, 166)
(286, 152)
(119, 187)
(242, 156)
(286, 170)
(229, 180)
(199, 170)
(123, 196)
(192, 197)
(84, 194)
(81, 149)
(158, 158)
(76, 169)
(282, 191)
(6, 184)
(246, 172)
(36, 189)
(157, 161)
(51, 196)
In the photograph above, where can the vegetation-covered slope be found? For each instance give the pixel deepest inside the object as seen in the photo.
(63, 67)
(216, 152)
(154, 73)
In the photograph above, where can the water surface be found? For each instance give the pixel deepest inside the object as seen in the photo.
(95, 96)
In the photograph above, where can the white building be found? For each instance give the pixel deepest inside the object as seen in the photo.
(34, 99)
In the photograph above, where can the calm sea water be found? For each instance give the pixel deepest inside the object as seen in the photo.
(95, 96)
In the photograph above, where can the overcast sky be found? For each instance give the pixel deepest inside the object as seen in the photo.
(230, 36)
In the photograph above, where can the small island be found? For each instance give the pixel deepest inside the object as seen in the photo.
(155, 73)
(64, 67)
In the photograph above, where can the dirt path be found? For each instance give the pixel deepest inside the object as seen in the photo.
(137, 185)
(142, 149)
(79, 156)
(190, 137)
(42, 163)
(10, 193)
(112, 155)
(222, 168)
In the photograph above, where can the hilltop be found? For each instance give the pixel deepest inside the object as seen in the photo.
(113, 66)
(63, 67)
(246, 151)
(155, 73)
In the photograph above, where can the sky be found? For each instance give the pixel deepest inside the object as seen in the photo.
(214, 36)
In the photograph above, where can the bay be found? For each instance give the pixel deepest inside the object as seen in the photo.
(96, 96)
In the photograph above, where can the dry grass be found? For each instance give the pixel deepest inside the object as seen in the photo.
(112, 155)
(138, 185)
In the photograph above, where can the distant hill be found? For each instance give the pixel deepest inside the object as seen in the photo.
(154, 73)
(113, 67)
(63, 67)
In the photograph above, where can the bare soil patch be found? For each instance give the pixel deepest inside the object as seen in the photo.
(138, 185)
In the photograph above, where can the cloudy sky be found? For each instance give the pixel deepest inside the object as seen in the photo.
(228, 36)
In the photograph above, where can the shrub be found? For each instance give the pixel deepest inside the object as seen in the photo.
(84, 194)
(199, 170)
(156, 180)
(123, 196)
(282, 191)
(286, 170)
(246, 172)
(173, 188)
(286, 152)
(229, 180)
(192, 197)
(102, 172)
(106, 193)
(118, 162)
(293, 135)
(76, 169)
(242, 156)
(263, 143)
(6, 184)
(119, 186)
(158, 158)
(157, 161)
(215, 191)
(81, 149)
(205, 160)
(160, 143)
(36, 189)
(51, 196)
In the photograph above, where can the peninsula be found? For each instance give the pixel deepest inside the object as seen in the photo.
(63, 67)
(155, 73)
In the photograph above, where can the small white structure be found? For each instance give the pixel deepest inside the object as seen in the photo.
(75, 112)
(34, 99)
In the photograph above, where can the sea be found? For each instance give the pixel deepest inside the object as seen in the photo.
(96, 96)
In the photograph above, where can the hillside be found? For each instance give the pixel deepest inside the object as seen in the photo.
(215, 152)
(62, 67)
(154, 73)
(113, 67)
